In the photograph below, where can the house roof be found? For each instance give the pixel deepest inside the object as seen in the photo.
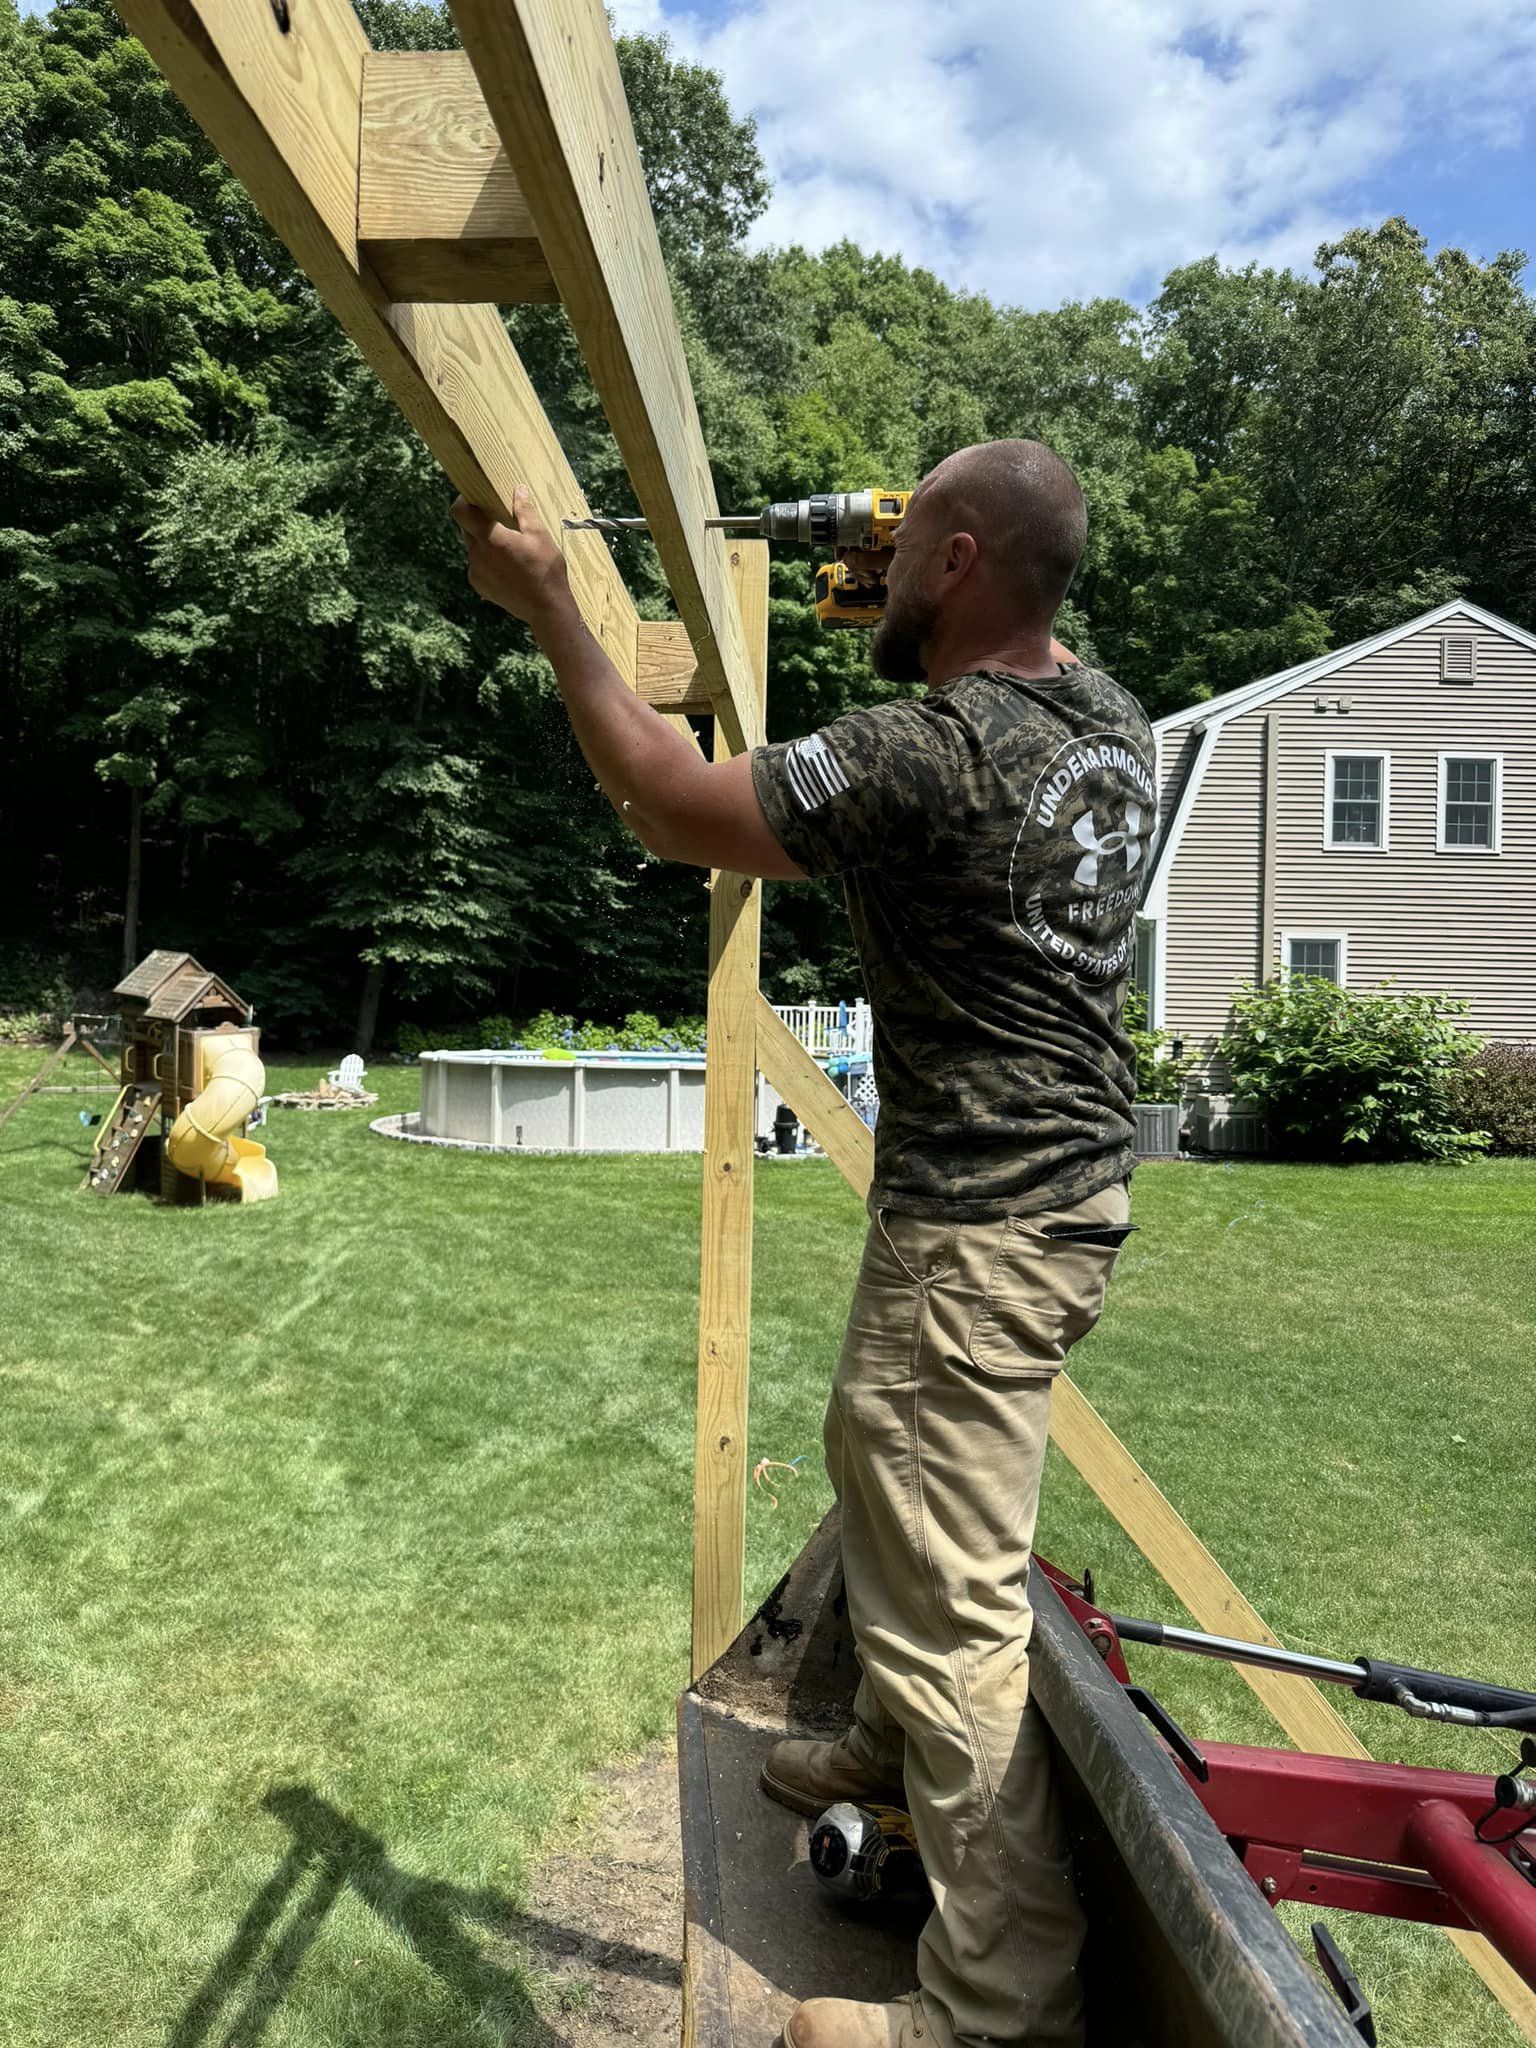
(1217, 710)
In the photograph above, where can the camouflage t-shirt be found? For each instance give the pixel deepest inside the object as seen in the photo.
(994, 837)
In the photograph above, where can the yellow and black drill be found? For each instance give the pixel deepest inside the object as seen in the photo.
(826, 519)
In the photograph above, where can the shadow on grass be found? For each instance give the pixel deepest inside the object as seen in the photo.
(329, 1853)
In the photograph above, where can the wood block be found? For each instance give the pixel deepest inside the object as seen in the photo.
(440, 214)
(666, 673)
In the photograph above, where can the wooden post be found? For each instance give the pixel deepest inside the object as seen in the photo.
(725, 1237)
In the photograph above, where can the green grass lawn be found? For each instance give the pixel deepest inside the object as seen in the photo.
(360, 1521)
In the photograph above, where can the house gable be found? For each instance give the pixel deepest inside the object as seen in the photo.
(1249, 855)
(1250, 696)
(1181, 766)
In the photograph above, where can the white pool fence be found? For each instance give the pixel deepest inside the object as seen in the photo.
(824, 1028)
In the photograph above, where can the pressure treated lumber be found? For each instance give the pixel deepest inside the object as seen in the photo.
(666, 673)
(725, 1237)
(830, 1118)
(550, 77)
(284, 110)
(440, 214)
(1151, 1521)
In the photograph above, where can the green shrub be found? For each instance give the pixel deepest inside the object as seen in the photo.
(1347, 1076)
(686, 1035)
(27, 1027)
(1160, 1077)
(546, 1030)
(555, 1031)
(641, 1032)
(1498, 1095)
(32, 981)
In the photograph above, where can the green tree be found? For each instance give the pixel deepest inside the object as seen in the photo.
(247, 703)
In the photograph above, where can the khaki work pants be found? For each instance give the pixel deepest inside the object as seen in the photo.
(935, 1441)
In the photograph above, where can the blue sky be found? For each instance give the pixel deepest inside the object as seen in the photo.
(1041, 152)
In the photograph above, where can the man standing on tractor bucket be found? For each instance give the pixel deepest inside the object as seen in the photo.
(994, 835)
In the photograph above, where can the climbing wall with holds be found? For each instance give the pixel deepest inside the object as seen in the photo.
(131, 1122)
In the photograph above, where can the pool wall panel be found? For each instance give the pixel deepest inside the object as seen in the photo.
(519, 1103)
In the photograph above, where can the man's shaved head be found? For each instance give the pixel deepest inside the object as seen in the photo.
(1026, 509)
(1023, 509)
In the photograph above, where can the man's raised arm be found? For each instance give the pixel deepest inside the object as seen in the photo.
(678, 805)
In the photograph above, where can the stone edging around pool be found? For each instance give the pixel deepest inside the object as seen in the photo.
(399, 1126)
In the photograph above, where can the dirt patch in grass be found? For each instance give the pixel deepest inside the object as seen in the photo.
(606, 1920)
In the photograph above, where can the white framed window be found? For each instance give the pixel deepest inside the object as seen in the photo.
(1470, 804)
(1322, 954)
(1356, 801)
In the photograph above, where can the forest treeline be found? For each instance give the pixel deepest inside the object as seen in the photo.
(249, 708)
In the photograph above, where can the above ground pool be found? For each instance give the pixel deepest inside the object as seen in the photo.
(585, 1102)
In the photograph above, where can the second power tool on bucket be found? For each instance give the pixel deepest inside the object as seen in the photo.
(865, 1853)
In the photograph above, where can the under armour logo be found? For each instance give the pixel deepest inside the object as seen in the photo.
(1126, 842)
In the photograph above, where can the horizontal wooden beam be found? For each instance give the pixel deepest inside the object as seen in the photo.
(284, 108)
(666, 673)
(1145, 1513)
(440, 214)
(550, 77)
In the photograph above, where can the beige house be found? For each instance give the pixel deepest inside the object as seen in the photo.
(1370, 815)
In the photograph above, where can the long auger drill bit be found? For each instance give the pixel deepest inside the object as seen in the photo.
(598, 524)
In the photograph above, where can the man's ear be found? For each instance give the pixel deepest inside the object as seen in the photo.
(961, 556)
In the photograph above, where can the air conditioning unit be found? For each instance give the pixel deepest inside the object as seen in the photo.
(1157, 1130)
(1229, 1123)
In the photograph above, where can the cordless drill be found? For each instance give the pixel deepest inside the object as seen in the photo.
(826, 519)
(837, 519)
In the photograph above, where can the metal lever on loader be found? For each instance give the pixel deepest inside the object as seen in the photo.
(1426, 1695)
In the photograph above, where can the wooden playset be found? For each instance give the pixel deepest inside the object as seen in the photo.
(191, 1079)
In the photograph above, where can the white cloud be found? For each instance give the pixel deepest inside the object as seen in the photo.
(1045, 151)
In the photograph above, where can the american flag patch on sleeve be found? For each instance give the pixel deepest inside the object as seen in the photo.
(814, 772)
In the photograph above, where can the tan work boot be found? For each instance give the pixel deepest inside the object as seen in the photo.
(845, 2023)
(808, 1777)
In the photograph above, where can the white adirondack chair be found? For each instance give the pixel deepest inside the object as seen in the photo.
(349, 1074)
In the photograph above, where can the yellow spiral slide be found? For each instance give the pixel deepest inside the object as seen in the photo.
(202, 1143)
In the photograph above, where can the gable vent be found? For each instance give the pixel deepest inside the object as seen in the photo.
(1458, 659)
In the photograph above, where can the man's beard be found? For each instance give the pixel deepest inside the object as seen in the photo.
(897, 653)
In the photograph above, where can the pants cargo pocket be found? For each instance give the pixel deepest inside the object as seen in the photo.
(1045, 1292)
